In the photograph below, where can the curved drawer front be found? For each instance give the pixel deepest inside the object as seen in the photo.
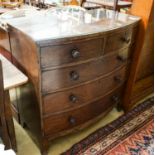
(68, 120)
(84, 94)
(58, 79)
(119, 40)
(69, 53)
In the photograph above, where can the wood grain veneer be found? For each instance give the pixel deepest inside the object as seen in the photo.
(73, 98)
(86, 63)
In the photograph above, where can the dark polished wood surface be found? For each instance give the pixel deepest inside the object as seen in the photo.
(73, 98)
(79, 74)
(77, 70)
(70, 53)
(81, 115)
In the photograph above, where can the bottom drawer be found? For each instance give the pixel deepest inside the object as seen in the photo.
(67, 120)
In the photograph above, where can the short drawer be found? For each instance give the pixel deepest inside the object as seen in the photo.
(68, 120)
(119, 40)
(58, 79)
(69, 53)
(78, 96)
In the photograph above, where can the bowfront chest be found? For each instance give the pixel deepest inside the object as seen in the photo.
(77, 70)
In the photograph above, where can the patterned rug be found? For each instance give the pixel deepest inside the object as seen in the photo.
(131, 134)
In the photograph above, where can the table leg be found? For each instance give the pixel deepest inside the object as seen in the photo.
(9, 120)
(5, 135)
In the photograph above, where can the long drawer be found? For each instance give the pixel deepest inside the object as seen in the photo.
(81, 95)
(77, 51)
(58, 79)
(71, 119)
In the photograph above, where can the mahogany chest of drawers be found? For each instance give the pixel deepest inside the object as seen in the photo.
(75, 76)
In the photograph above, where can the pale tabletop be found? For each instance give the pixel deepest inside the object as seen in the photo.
(12, 76)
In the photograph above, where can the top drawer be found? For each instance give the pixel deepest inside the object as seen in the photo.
(119, 40)
(78, 51)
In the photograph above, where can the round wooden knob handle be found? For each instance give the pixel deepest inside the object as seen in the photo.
(118, 79)
(72, 120)
(73, 98)
(75, 54)
(121, 58)
(125, 39)
(74, 75)
(115, 98)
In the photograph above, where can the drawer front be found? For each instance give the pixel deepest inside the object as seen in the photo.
(81, 95)
(119, 40)
(58, 79)
(71, 119)
(62, 54)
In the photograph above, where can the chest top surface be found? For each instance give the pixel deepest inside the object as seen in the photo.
(64, 23)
